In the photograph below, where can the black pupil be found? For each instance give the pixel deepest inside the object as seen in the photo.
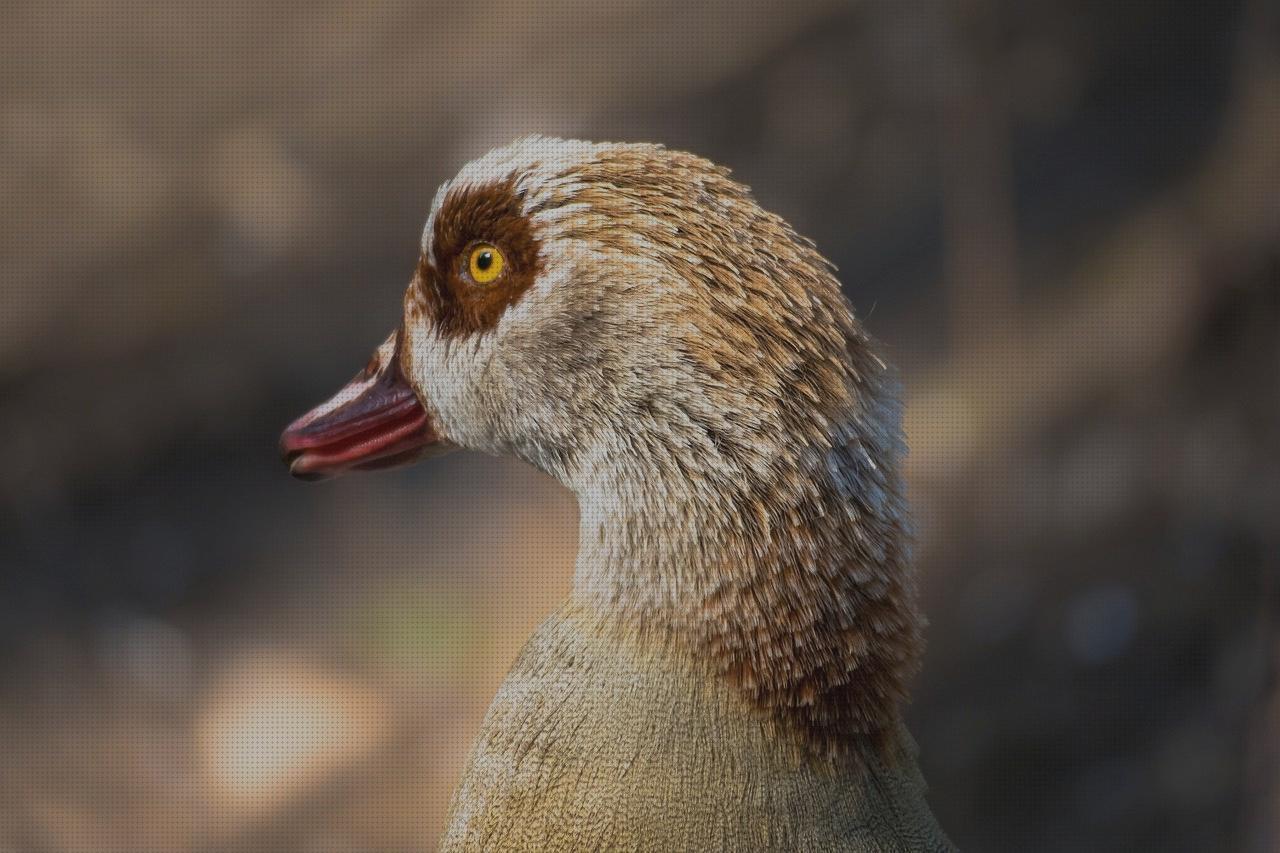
(484, 260)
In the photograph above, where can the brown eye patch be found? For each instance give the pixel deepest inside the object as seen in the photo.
(470, 215)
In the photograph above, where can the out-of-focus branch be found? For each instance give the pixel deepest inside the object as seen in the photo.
(1257, 112)
(980, 249)
(1125, 311)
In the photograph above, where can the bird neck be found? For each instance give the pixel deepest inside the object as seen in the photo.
(784, 566)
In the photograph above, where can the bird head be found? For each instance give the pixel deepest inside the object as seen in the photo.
(599, 309)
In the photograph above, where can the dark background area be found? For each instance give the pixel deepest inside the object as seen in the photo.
(1060, 218)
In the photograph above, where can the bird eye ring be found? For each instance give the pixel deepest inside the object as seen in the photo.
(485, 263)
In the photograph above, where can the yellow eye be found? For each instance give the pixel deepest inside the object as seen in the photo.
(485, 263)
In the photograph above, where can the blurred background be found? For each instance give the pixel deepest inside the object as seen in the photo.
(1060, 217)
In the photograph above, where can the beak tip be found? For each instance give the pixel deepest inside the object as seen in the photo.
(288, 447)
(296, 461)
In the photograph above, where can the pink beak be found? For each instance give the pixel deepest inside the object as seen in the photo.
(376, 421)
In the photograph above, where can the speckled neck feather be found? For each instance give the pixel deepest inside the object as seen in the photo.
(789, 582)
(757, 515)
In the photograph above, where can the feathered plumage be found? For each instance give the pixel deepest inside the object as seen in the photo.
(729, 670)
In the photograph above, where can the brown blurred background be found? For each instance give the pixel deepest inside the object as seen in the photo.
(1061, 218)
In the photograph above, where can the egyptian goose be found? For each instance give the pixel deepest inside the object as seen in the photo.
(729, 669)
